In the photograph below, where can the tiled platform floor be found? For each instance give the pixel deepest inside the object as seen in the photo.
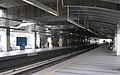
(99, 61)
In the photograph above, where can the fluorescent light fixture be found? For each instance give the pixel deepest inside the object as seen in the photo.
(1, 13)
(73, 22)
(41, 6)
(47, 31)
(48, 34)
(49, 26)
(61, 31)
(23, 25)
(24, 21)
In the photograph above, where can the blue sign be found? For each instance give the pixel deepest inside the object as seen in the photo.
(21, 41)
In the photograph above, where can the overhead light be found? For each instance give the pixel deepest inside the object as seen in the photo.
(61, 31)
(41, 6)
(24, 21)
(73, 22)
(23, 25)
(46, 29)
(48, 26)
(48, 34)
(1, 13)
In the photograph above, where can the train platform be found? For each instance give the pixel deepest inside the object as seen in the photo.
(99, 61)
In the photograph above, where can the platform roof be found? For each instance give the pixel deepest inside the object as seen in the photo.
(100, 16)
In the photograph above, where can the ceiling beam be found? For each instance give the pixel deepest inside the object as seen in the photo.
(98, 15)
(94, 8)
(42, 6)
(96, 12)
(112, 1)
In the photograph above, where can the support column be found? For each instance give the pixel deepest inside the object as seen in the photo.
(40, 45)
(7, 40)
(28, 29)
(7, 37)
(55, 41)
(118, 40)
(115, 43)
(35, 35)
(60, 41)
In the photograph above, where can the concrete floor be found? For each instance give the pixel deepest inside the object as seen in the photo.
(99, 61)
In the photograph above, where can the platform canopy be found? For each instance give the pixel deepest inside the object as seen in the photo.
(97, 17)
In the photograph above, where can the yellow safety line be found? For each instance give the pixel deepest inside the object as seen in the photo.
(49, 73)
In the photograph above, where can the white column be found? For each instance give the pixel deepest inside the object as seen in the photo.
(7, 40)
(118, 40)
(28, 29)
(7, 35)
(115, 43)
(60, 41)
(40, 44)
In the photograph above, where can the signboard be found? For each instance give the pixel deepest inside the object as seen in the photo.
(21, 41)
